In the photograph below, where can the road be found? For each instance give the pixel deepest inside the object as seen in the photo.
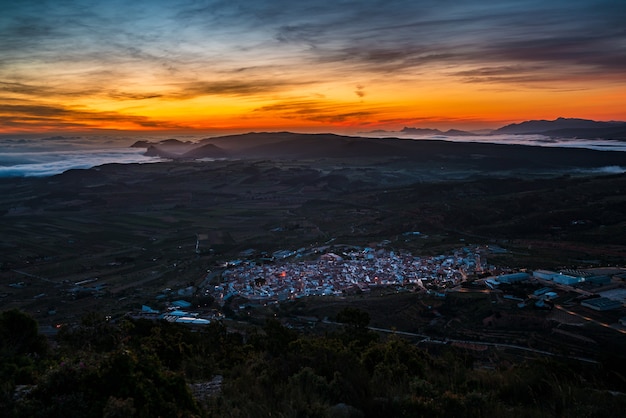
(428, 339)
(588, 319)
(23, 273)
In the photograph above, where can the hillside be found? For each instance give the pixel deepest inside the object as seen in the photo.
(483, 156)
(83, 252)
(568, 128)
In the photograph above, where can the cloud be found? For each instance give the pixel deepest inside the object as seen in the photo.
(123, 95)
(584, 39)
(442, 122)
(360, 91)
(162, 50)
(38, 163)
(318, 111)
(376, 36)
(24, 89)
(231, 88)
(498, 71)
(527, 75)
(596, 54)
(28, 116)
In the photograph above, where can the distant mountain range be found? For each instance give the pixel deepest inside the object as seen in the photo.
(427, 131)
(568, 128)
(558, 128)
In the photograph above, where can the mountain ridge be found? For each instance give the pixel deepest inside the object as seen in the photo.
(288, 145)
(560, 127)
(429, 131)
(294, 146)
(567, 127)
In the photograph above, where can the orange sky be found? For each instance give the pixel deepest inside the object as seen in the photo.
(342, 66)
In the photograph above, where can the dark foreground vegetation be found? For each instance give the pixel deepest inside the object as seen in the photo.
(149, 369)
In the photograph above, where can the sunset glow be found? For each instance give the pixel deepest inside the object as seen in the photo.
(343, 66)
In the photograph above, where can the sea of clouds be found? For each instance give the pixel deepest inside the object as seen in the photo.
(532, 140)
(38, 157)
(32, 157)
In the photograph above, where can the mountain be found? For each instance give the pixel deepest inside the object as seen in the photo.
(456, 132)
(142, 144)
(206, 151)
(156, 151)
(567, 127)
(168, 145)
(420, 131)
(305, 146)
(251, 139)
(617, 133)
(295, 146)
(428, 131)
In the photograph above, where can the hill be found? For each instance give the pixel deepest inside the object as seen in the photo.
(206, 151)
(428, 131)
(568, 127)
(295, 146)
(108, 240)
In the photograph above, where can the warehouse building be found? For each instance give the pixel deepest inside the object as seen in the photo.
(513, 277)
(560, 278)
(601, 304)
(566, 279)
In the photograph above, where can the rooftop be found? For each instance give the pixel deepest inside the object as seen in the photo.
(601, 304)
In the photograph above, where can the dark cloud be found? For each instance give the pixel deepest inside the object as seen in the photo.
(375, 35)
(28, 116)
(230, 88)
(360, 91)
(604, 52)
(318, 111)
(21, 88)
(582, 35)
(516, 74)
(340, 117)
(400, 32)
(39, 90)
(122, 95)
(40, 110)
(306, 33)
(506, 70)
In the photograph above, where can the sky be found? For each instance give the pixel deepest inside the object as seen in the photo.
(214, 66)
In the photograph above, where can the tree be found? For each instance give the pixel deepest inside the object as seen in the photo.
(19, 335)
(354, 317)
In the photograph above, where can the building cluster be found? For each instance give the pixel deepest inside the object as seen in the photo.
(601, 293)
(178, 311)
(355, 270)
(572, 277)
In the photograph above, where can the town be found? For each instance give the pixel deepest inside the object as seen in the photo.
(340, 271)
(356, 269)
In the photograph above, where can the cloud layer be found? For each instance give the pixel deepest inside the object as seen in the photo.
(49, 156)
(158, 64)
